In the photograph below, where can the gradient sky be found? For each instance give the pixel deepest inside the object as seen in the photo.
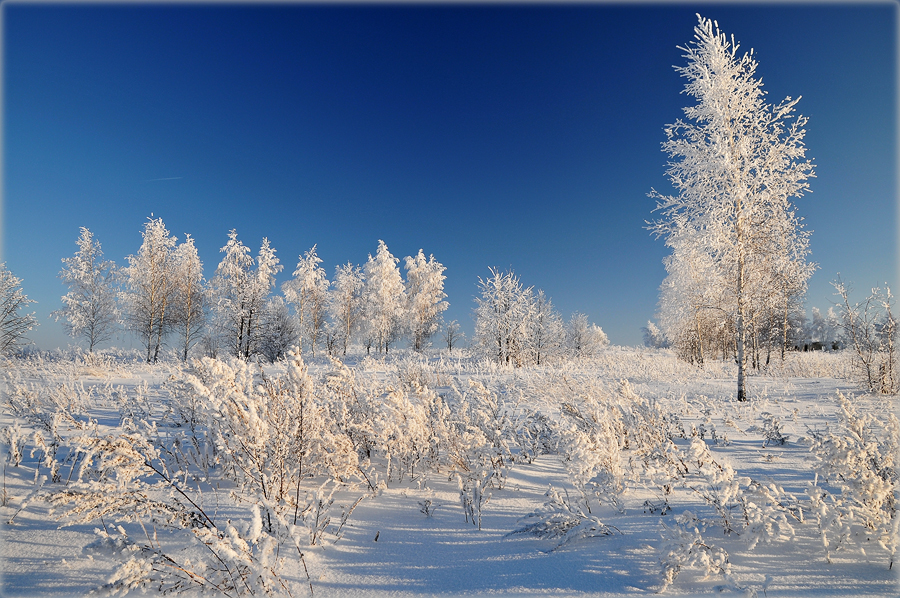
(523, 137)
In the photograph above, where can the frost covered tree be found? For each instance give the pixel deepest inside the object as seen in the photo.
(384, 298)
(89, 308)
(149, 288)
(583, 338)
(502, 318)
(280, 330)
(307, 291)
(653, 336)
(452, 335)
(345, 304)
(736, 162)
(693, 306)
(425, 298)
(189, 296)
(239, 293)
(547, 334)
(13, 324)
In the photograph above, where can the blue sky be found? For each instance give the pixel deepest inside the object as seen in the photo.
(523, 137)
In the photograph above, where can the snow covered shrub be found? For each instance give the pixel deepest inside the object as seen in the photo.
(534, 435)
(271, 436)
(404, 436)
(491, 414)
(473, 494)
(51, 412)
(272, 433)
(14, 439)
(412, 371)
(720, 486)
(590, 443)
(118, 477)
(857, 460)
(871, 333)
(644, 424)
(766, 509)
(757, 512)
(351, 406)
(565, 520)
(476, 431)
(685, 548)
(134, 405)
(772, 430)
(232, 562)
(812, 364)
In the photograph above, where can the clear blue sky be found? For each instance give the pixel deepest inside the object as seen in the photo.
(489, 135)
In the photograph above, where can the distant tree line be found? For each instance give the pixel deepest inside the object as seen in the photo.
(163, 299)
(516, 326)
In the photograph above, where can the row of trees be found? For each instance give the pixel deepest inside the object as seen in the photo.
(818, 332)
(162, 297)
(867, 329)
(515, 325)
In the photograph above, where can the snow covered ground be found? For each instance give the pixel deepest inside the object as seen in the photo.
(663, 473)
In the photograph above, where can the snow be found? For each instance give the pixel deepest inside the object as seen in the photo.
(411, 538)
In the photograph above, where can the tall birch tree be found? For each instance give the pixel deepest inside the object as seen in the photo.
(148, 291)
(384, 298)
(425, 298)
(735, 162)
(345, 304)
(307, 291)
(189, 296)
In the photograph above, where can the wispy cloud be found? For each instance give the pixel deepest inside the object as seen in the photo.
(168, 178)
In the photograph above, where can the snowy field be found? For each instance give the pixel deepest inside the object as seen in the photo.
(626, 474)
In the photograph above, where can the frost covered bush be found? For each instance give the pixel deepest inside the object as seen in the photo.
(590, 445)
(534, 435)
(125, 478)
(772, 430)
(684, 547)
(271, 433)
(564, 520)
(871, 334)
(857, 461)
(473, 492)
